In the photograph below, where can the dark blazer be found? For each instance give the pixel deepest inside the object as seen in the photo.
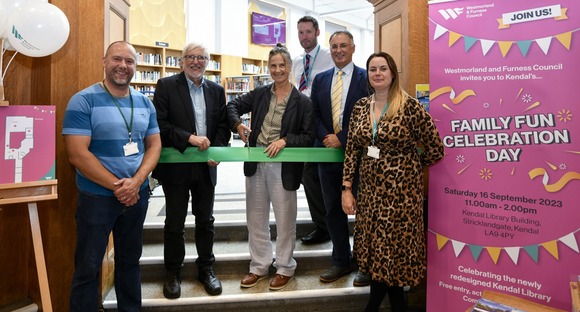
(297, 127)
(321, 101)
(177, 122)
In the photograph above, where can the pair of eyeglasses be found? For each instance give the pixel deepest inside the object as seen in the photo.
(191, 58)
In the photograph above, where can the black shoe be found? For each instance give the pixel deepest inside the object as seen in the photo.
(172, 285)
(317, 236)
(334, 273)
(361, 279)
(211, 283)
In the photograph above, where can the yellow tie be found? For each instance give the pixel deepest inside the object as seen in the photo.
(336, 101)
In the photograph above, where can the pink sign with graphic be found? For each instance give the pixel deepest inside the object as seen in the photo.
(503, 207)
(28, 141)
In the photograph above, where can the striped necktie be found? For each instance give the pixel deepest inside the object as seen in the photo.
(336, 101)
(304, 78)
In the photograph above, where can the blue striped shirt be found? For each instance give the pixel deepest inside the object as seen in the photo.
(92, 112)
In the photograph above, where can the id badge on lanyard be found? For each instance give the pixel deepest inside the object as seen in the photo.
(373, 152)
(131, 148)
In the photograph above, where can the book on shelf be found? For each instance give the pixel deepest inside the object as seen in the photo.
(251, 68)
(172, 61)
(213, 65)
(147, 90)
(148, 59)
(146, 76)
(238, 84)
(215, 78)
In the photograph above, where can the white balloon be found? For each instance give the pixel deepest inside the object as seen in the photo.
(6, 8)
(38, 29)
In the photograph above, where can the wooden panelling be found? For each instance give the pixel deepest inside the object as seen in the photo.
(73, 68)
(116, 20)
(411, 36)
(15, 244)
(391, 41)
(418, 44)
(42, 81)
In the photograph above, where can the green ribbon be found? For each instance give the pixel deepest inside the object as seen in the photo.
(254, 154)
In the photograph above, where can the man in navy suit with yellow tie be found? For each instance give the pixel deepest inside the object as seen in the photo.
(334, 93)
(191, 112)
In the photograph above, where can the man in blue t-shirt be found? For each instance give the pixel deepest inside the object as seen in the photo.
(112, 139)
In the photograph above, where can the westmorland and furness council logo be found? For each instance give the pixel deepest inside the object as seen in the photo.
(451, 13)
(23, 42)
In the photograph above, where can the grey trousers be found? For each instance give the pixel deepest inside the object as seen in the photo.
(263, 188)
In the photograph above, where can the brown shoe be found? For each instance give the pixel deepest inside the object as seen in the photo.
(251, 279)
(280, 281)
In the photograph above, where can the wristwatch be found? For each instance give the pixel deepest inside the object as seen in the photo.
(344, 188)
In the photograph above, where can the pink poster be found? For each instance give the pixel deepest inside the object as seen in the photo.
(504, 213)
(27, 133)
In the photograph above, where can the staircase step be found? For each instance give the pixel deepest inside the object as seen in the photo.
(224, 231)
(224, 250)
(306, 285)
(304, 293)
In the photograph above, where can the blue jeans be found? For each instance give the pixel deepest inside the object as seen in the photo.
(96, 217)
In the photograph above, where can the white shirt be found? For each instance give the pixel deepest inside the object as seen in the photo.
(320, 60)
(198, 100)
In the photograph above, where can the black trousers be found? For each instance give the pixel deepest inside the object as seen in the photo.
(336, 219)
(313, 191)
(177, 197)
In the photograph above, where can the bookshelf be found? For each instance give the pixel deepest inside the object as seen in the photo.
(250, 73)
(241, 74)
(213, 70)
(236, 86)
(154, 63)
(254, 66)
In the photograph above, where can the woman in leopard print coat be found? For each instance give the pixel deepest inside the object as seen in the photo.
(386, 131)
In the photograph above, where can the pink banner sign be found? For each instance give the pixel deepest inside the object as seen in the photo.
(503, 211)
(28, 140)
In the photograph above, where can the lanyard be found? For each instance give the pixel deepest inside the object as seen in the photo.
(128, 125)
(307, 75)
(372, 117)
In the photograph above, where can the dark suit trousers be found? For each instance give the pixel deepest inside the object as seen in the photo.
(313, 191)
(176, 205)
(336, 220)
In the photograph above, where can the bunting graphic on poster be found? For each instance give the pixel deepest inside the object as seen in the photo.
(512, 251)
(544, 43)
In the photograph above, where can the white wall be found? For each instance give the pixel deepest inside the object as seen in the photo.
(222, 25)
(201, 21)
(233, 27)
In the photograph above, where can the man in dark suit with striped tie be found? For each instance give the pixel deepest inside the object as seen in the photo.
(334, 93)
